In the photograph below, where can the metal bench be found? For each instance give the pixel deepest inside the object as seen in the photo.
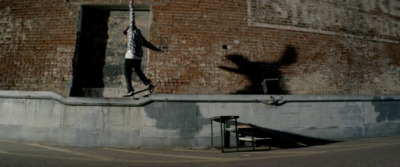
(246, 130)
(250, 131)
(222, 120)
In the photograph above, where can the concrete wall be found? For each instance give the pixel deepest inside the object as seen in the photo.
(183, 120)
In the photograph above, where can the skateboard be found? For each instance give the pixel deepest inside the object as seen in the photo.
(140, 91)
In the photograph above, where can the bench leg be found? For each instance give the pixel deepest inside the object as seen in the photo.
(212, 135)
(252, 141)
(237, 137)
(222, 138)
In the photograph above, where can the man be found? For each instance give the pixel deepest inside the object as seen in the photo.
(134, 54)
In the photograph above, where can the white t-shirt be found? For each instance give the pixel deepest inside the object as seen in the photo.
(129, 55)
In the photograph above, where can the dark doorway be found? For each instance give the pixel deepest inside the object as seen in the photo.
(90, 51)
(100, 49)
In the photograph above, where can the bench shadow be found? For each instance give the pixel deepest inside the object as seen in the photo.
(283, 139)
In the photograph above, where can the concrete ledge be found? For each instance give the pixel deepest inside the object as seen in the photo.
(87, 101)
(170, 120)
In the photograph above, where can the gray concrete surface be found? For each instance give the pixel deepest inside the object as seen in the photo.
(369, 152)
(183, 120)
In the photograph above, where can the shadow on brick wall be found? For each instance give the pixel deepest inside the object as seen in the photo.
(256, 72)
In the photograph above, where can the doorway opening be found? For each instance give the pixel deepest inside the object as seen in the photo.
(100, 48)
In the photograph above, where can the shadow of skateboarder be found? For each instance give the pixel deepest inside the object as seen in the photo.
(256, 72)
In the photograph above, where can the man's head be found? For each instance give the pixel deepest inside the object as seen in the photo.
(127, 28)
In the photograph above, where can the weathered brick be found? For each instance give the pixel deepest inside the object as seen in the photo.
(353, 54)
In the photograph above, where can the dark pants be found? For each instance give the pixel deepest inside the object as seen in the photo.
(135, 64)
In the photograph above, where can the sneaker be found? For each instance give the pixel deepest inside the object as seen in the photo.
(150, 86)
(130, 94)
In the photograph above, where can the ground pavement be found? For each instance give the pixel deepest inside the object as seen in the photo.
(369, 152)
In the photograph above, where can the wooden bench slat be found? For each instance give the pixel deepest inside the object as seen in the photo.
(249, 138)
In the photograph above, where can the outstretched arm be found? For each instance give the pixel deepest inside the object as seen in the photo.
(149, 45)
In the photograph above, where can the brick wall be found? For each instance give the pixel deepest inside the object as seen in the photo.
(325, 48)
(37, 44)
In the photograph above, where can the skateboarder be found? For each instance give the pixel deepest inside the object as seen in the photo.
(134, 54)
